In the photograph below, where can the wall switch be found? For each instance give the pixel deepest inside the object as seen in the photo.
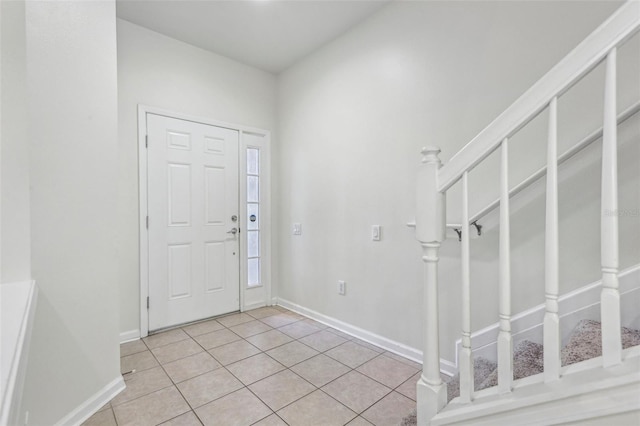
(376, 232)
(297, 229)
(342, 288)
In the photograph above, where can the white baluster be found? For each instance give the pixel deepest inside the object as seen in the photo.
(466, 358)
(551, 325)
(430, 231)
(505, 342)
(610, 296)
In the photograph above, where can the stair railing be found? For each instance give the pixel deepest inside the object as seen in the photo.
(434, 179)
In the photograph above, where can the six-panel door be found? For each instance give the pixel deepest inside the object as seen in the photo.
(192, 201)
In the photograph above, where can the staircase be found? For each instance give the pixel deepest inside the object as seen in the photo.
(598, 372)
(584, 344)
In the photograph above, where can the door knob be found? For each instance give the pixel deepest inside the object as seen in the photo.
(233, 231)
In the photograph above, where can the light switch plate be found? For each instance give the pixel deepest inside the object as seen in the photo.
(342, 288)
(297, 229)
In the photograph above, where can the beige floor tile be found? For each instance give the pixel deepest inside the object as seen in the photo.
(356, 391)
(339, 333)
(292, 353)
(151, 409)
(164, 338)
(104, 407)
(209, 386)
(323, 340)
(203, 328)
(403, 360)
(351, 354)
(250, 328)
(252, 369)
(142, 383)
(216, 338)
(131, 348)
(101, 418)
(269, 340)
(314, 323)
(233, 352)
(368, 345)
(316, 409)
(280, 308)
(281, 389)
(191, 366)
(359, 421)
(387, 371)
(272, 420)
(235, 319)
(320, 370)
(408, 388)
(267, 311)
(390, 410)
(186, 419)
(178, 350)
(237, 409)
(299, 329)
(279, 320)
(140, 361)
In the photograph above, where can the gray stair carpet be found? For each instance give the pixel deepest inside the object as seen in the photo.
(585, 343)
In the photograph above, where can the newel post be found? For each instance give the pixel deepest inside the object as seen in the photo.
(430, 231)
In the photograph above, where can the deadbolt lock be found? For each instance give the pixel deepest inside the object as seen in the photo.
(234, 218)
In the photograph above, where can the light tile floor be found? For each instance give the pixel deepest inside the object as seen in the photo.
(264, 367)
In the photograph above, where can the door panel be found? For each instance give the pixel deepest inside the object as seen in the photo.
(192, 196)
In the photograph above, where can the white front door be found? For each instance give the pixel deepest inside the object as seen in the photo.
(193, 212)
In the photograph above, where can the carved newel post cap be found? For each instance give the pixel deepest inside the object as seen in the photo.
(430, 154)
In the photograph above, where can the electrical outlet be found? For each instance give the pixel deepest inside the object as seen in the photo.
(297, 229)
(376, 231)
(342, 288)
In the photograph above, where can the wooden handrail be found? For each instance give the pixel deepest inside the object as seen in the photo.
(622, 25)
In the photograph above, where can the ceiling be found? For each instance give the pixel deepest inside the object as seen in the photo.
(268, 34)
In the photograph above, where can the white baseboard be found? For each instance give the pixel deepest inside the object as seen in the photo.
(94, 403)
(129, 336)
(580, 304)
(375, 339)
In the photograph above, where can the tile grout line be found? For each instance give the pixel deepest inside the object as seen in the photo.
(285, 368)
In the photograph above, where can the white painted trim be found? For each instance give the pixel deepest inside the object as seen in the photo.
(143, 110)
(254, 306)
(21, 320)
(398, 348)
(142, 223)
(129, 336)
(91, 406)
(577, 305)
(617, 29)
(585, 391)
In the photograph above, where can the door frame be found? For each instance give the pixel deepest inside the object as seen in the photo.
(265, 201)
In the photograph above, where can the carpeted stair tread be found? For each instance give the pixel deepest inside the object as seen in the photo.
(586, 342)
(527, 361)
(481, 369)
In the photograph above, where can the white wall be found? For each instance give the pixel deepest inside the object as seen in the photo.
(72, 121)
(352, 118)
(158, 71)
(16, 250)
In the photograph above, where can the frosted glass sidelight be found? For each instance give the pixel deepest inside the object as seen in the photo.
(253, 189)
(254, 272)
(253, 211)
(253, 161)
(253, 243)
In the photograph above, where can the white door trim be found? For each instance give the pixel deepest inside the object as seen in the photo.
(143, 110)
